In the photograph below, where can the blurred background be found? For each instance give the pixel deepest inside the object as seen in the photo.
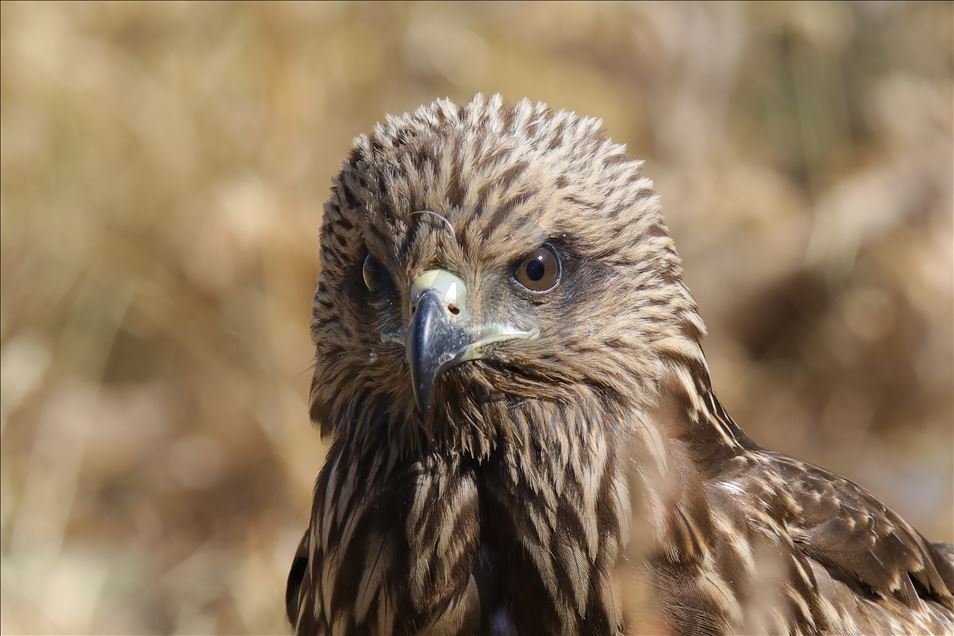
(163, 171)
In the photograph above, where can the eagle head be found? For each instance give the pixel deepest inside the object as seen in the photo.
(480, 257)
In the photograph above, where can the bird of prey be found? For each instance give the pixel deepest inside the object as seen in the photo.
(509, 365)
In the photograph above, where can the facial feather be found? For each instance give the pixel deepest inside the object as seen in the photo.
(506, 179)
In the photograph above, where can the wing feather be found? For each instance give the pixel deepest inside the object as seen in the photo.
(860, 540)
(295, 577)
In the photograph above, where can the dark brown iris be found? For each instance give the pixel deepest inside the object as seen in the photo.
(539, 271)
(373, 274)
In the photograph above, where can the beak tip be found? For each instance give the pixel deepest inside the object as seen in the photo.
(422, 399)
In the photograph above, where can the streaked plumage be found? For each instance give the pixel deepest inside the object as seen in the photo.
(551, 465)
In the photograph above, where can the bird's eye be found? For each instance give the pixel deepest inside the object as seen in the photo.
(373, 274)
(539, 271)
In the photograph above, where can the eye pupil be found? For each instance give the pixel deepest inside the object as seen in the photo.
(536, 269)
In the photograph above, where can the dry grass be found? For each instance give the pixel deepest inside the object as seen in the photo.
(163, 169)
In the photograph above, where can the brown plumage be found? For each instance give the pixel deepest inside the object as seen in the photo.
(510, 367)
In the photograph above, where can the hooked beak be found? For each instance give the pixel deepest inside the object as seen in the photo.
(440, 334)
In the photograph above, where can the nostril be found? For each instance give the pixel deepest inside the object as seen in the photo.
(454, 309)
(413, 309)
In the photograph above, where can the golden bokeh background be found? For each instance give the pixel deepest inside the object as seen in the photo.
(163, 171)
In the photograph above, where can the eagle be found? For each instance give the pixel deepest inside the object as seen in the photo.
(508, 365)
